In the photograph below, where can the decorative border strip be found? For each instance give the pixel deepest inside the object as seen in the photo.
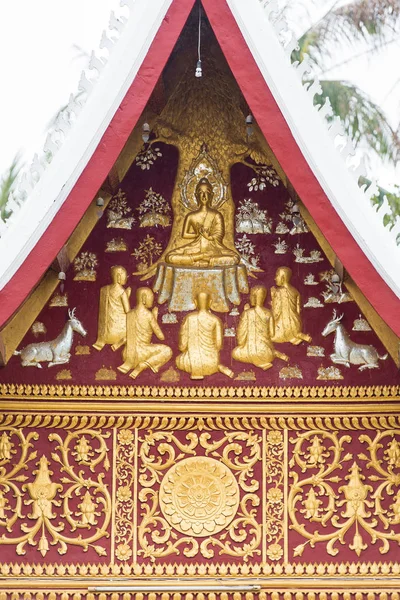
(94, 392)
(267, 593)
(195, 423)
(199, 570)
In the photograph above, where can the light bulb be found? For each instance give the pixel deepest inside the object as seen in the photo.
(199, 71)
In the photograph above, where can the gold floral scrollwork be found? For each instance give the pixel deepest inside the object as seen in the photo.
(124, 509)
(274, 506)
(186, 491)
(313, 499)
(93, 511)
(81, 502)
(368, 511)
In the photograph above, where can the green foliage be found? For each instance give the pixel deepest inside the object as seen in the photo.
(6, 183)
(363, 120)
(371, 22)
(359, 20)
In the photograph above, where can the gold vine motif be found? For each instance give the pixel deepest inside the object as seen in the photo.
(212, 423)
(240, 452)
(353, 508)
(44, 495)
(94, 392)
(275, 461)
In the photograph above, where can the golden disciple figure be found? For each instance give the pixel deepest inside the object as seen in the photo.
(141, 323)
(255, 332)
(286, 309)
(205, 227)
(200, 341)
(113, 307)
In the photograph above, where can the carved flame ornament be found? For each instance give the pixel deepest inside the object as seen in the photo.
(199, 496)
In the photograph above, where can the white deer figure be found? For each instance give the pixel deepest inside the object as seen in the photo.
(347, 352)
(55, 352)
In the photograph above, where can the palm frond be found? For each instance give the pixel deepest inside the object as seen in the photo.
(6, 182)
(363, 120)
(355, 21)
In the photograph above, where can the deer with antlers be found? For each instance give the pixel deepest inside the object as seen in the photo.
(347, 352)
(56, 352)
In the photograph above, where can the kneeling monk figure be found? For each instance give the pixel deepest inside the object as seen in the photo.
(255, 332)
(200, 341)
(141, 322)
(286, 309)
(205, 227)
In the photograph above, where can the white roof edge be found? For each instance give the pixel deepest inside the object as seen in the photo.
(315, 141)
(31, 217)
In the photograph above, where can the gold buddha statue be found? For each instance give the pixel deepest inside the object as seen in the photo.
(255, 332)
(200, 341)
(205, 227)
(286, 310)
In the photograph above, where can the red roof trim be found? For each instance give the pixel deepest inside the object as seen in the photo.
(272, 124)
(292, 161)
(100, 164)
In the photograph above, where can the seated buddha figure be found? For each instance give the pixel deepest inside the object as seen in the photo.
(206, 229)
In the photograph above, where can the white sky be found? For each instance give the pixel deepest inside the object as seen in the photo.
(39, 68)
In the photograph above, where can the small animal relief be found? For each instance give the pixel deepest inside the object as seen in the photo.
(55, 352)
(347, 352)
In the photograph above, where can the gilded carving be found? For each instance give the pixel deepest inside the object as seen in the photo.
(38, 328)
(105, 374)
(310, 280)
(300, 257)
(59, 300)
(291, 372)
(361, 324)
(346, 352)
(362, 508)
(141, 323)
(154, 210)
(118, 211)
(200, 341)
(85, 267)
(64, 375)
(116, 245)
(55, 352)
(199, 496)
(248, 255)
(48, 498)
(251, 219)
(255, 332)
(281, 247)
(145, 254)
(313, 302)
(113, 308)
(205, 228)
(329, 373)
(286, 310)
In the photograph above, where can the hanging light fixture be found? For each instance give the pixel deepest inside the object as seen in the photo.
(199, 71)
(145, 132)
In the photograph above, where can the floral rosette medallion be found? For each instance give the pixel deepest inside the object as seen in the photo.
(199, 496)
